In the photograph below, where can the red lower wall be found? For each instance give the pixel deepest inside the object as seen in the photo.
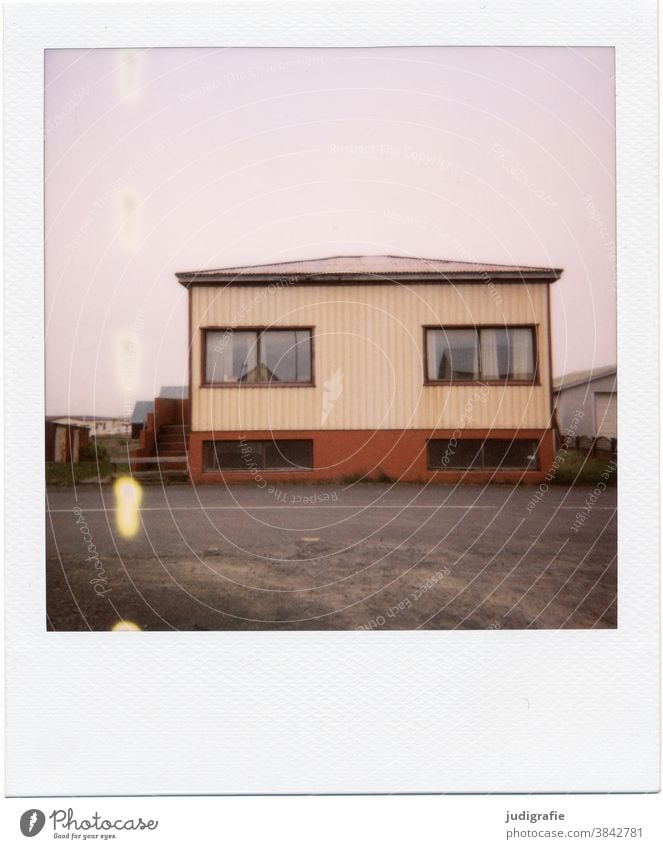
(394, 454)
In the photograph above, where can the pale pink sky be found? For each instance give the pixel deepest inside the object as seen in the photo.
(167, 160)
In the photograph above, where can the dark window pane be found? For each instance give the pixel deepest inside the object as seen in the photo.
(510, 454)
(222, 455)
(489, 454)
(258, 455)
(454, 453)
(231, 356)
(289, 453)
(253, 454)
(286, 355)
(452, 354)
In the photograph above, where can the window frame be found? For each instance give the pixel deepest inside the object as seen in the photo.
(246, 470)
(480, 381)
(267, 384)
(481, 443)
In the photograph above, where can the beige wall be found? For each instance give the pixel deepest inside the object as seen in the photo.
(372, 337)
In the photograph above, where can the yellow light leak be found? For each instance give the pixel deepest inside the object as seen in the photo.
(129, 216)
(127, 357)
(124, 625)
(128, 496)
(130, 67)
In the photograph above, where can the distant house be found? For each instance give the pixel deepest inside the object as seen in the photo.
(98, 425)
(370, 366)
(65, 441)
(586, 403)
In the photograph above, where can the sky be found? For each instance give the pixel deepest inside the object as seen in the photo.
(166, 160)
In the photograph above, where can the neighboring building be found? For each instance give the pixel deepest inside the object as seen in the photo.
(389, 367)
(143, 408)
(138, 417)
(98, 425)
(110, 427)
(177, 393)
(586, 403)
(65, 441)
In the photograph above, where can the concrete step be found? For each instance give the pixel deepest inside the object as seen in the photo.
(164, 468)
(157, 476)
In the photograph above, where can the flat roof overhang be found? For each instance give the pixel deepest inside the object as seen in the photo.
(206, 278)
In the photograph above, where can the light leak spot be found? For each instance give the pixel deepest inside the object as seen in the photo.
(130, 68)
(129, 216)
(125, 625)
(127, 356)
(128, 497)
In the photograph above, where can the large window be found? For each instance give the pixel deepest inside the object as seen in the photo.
(239, 356)
(482, 454)
(258, 455)
(455, 354)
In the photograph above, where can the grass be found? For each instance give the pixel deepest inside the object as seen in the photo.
(573, 468)
(95, 463)
(67, 474)
(378, 476)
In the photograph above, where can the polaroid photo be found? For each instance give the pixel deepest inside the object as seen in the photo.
(331, 400)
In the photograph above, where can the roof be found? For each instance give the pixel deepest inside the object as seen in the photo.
(92, 419)
(63, 420)
(177, 392)
(383, 269)
(577, 378)
(141, 409)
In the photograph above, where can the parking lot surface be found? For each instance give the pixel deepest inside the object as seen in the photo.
(363, 556)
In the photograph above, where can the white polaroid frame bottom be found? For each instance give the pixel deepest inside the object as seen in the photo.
(360, 712)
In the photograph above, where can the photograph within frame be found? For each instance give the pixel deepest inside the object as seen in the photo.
(333, 482)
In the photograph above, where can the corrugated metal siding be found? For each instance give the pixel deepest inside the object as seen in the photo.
(372, 338)
(575, 406)
(605, 414)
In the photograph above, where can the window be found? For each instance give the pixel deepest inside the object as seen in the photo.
(455, 354)
(258, 455)
(487, 454)
(257, 357)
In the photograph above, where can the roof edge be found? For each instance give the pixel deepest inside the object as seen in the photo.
(198, 278)
(319, 270)
(595, 374)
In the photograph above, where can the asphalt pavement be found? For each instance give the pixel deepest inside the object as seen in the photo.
(363, 556)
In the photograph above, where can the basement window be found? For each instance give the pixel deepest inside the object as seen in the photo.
(258, 455)
(471, 454)
(257, 356)
(468, 354)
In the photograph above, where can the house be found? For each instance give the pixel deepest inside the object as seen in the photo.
(176, 393)
(138, 417)
(142, 409)
(98, 425)
(112, 426)
(65, 441)
(383, 367)
(586, 403)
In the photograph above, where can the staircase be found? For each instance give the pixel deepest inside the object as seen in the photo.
(164, 439)
(172, 441)
(170, 452)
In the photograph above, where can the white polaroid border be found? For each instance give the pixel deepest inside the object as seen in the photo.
(330, 712)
